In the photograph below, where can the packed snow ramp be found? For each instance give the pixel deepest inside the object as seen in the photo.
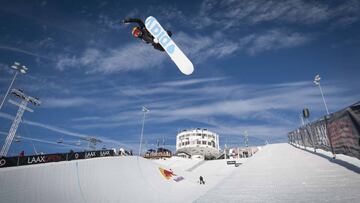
(107, 179)
(283, 173)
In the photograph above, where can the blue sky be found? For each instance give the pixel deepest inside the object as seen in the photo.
(254, 65)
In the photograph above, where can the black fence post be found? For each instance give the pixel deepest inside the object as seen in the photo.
(302, 138)
(310, 136)
(329, 137)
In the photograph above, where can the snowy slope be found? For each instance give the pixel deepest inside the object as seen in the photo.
(283, 173)
(178, 162)
(108, 179)
(278, 173)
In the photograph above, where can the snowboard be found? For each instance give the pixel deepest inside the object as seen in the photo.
(175, 53)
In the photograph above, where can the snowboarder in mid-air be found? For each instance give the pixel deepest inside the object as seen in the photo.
(142, 33)
(151, 32)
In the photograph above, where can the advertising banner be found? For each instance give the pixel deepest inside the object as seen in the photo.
(47, 158)
(38, 159)
(344, 131)
(8, 162)
(338, 132)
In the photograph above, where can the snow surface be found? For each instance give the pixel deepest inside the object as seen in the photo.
(178, 162)
(106, 179)
(283, 173)
(278, 173)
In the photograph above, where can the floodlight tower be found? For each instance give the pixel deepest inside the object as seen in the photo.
(317, 82)
(22, 107)
(145, 110)
(18, 68)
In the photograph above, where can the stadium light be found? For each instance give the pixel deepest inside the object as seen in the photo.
(25, 99)
(18, 68)
(145, 110)
(317, 82)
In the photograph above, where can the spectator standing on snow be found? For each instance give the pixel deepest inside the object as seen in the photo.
(201, 180)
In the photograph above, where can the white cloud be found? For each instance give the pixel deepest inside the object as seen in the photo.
(203, 48)
(49, 127)
(14, 49)
(273, 108)
(5, 68)
(274, 39)
(140, 56)
(87, 118)
(105, 140)
(109, 22)
(50, 142)
(66, 102)
(217, 44)
(200, 48)
(178, 83)
(130, 57)
(230, 13)
(264, 132)
(262, 101)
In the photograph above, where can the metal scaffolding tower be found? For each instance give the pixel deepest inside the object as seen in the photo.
(18, 69)
(22, 107)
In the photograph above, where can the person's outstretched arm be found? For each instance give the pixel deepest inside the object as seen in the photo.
(134, 20)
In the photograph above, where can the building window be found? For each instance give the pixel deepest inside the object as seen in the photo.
(198, 142)
(204, 142)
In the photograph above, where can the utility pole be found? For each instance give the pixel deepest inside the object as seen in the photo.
(22, 107)
(317, 82)
(246, 138)
(145, 110)
(302, 119)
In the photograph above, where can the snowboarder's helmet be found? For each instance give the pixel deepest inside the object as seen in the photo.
(136, 32)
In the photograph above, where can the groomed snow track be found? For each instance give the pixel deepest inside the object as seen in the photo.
(278, 173)
(107, 179)
(283, 173)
